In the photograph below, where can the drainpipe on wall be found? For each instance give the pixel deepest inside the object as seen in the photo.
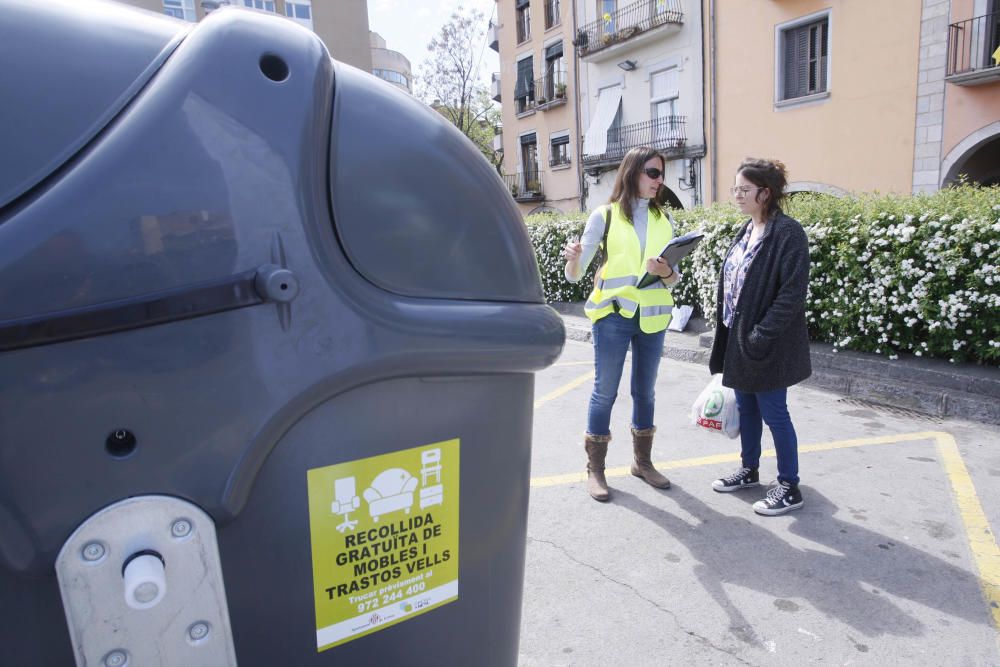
(715, 132)
(576, 111)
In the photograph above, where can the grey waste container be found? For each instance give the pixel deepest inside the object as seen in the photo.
(267, 334)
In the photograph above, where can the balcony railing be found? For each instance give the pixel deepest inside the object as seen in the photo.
(550, 90)
(493, 36)
(639, 17)
(559, 161)
(524, 104)
(971, 45)
(526, 186)
(666, 134)
(495, 87)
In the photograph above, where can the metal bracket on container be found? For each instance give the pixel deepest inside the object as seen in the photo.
(272, 282)
(141, 584)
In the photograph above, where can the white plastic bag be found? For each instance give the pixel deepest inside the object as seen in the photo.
(681, 315)
(715, 409)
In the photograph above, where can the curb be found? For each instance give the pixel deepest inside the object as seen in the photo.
(931, 387)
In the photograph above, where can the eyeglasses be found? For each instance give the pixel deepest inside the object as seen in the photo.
(653, 172)
(743, 190)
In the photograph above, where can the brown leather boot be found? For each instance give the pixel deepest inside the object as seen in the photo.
(597, 451)
(642, 446)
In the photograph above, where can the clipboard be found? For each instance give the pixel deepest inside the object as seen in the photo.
(673, 253)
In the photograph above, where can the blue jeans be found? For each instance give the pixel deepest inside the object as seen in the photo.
(612, 336)
(768, 407)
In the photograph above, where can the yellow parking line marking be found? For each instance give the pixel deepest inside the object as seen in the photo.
(568, 387)
(981, 538)
(556, 480)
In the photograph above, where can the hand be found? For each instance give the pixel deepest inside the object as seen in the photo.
(573, 249)
(659, 267)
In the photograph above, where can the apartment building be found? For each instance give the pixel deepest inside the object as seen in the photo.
(536, 87)
(891, 96)
(641, 84)
(970, 113)
(342, 25)
(390, 65)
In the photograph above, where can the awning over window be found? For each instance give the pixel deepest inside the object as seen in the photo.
(525, 84)
(554, 51)
(595, 141)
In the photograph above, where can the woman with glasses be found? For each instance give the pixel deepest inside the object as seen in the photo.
(761, 343)
(629, 231)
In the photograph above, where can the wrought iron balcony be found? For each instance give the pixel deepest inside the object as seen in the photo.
(493, 36)
(550, 90)
(667, 135)
(495, 87)
(627, 22)
(525, 187)
(524, 104)
(971, 47)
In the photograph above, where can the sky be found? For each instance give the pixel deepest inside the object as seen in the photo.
(408, 26)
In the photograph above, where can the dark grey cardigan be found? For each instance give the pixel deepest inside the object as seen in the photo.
(767, 346)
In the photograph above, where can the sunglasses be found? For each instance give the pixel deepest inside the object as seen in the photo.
(653, 172)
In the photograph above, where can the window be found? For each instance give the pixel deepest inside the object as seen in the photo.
(804, 59)
(300, 10)
(559, 149)
(392, 76)
(664, 89)
(555, 72)
(523, 21)
(529, 162)
(606, 10)
(180, 9)
(524, 88)
(551, 13)
(266, 5)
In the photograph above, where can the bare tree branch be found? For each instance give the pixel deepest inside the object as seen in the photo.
(449, 81)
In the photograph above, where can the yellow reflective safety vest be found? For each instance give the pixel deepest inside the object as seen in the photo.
(615, 286)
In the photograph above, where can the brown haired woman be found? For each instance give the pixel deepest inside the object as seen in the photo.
(761, 343)
(631, 230)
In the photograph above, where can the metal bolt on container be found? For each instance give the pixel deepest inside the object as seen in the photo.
(268, 329)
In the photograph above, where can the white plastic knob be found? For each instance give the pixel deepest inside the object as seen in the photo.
(145, 582)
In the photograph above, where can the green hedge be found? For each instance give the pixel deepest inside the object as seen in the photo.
(889, 274)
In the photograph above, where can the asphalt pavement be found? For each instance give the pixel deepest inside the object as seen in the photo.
(893, 559)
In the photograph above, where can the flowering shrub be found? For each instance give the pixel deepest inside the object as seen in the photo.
(548, 233)
(889, 274)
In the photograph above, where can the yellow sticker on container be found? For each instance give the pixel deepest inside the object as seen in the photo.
(384, 534)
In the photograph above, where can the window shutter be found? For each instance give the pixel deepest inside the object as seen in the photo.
(525, 79)
(520, 4)
(554, 51)
(796, 62)
(664, 83)
(558, 141)
(805, 59)
(528, 139)
(823, 55)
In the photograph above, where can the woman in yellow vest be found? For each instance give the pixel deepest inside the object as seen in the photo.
(630, 230)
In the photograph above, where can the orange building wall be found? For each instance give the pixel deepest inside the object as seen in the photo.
(860, 138)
